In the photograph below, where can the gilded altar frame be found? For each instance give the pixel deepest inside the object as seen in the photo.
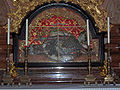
(23, 7)
(93, 29)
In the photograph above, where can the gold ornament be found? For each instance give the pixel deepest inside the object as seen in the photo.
(13, 72)
(104, 69)
(23, 7)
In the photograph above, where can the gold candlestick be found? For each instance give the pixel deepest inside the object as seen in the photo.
(25, 79)
(109, 78)
(89, 78)
(7, 79)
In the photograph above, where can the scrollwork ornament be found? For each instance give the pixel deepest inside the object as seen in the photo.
(13, 72)
(23, 7)
(103, 69)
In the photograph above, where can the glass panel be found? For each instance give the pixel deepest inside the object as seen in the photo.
(58, 35)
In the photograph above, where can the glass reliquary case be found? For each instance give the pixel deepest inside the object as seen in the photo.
(57, 37)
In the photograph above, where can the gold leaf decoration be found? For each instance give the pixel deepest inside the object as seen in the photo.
(103, 69)
(23, 7)
(13, 72)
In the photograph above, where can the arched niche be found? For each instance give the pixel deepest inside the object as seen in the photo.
(38, 16)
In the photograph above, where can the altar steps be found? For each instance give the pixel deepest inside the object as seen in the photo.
(40, 76)
(65, 75)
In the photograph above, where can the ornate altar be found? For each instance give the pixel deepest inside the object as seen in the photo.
(57, 37)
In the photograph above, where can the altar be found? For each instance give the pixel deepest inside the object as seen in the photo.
(57, 34)
(58, 42)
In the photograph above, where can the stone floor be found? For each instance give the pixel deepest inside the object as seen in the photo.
(65, 87)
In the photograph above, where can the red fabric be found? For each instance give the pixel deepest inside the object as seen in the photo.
(55, 21)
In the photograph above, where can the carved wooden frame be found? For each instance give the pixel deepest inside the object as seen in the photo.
(94, 32)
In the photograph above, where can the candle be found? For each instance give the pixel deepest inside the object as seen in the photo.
(108, 22)
(8, 34)
(26, 32)
(88, 39)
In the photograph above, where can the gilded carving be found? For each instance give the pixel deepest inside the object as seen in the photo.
(23, 7)
(13, 72)
(103, 69)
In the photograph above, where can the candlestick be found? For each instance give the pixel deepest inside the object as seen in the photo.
(25, 79)
(108, 22)
(8, 36)
(26, 32)
(88, 39)
(90, 77)
(108, 78)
